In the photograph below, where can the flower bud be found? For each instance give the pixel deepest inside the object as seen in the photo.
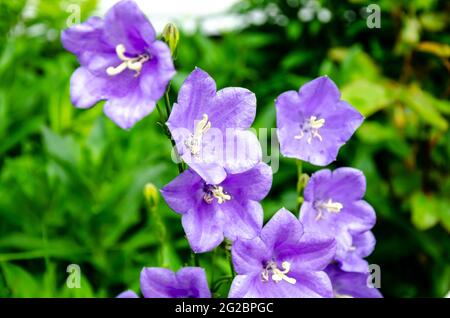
(151, 195)
(171, 36)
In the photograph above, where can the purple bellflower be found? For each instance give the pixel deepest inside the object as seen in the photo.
(121, 62)
(210, 128)
(128, 294)
(350, 284)
(333, 205)
(211, 211)
(282, 262)
(314, 122)
(188, 282)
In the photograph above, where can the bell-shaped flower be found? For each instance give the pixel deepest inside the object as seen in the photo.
(210, 128)
(228, 209)
(333, 205)
(283, 262)
(314, 123)
(121, 62)
(188, 282)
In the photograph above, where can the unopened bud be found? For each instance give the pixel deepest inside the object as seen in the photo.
(171, 36)
(151, 195)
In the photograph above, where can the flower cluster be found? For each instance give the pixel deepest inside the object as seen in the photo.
(319, 254)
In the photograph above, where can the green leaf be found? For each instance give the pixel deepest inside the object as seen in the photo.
(424, 105)
(368, 97)
(19, 282)
(62, 148)
(424, 210)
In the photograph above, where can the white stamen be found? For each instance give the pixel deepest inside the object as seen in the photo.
(311, 126)
(194, 140)
(277, 274)
(132, 63)
(216, 192)
(330, 206)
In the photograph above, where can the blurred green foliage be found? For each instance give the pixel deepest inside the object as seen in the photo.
(76, 189)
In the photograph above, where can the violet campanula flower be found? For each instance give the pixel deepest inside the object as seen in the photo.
(121, 62)
(127, 294)
(314, 122)
(333, 205)
(351, 284)
(282, 262)
(211, 211)
(210, 127)
(188, 282)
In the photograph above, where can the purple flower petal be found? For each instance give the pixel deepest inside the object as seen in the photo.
(203, 227)
(127, 110)
(341, 184)
(348, 284)
(249, 255)
(253, 184)
(362, 245)
(313, 285)
(242, 151)
(127, 294)
(282, 232)
(313, 253)
(189, 282)
(212, 172)
(194, 279)
(86, 40)
(86, 89)
(157, 72)
(194, 97)
(158, 282)
(127, 25)
(231, 107)
(182, 193)
(241, 219)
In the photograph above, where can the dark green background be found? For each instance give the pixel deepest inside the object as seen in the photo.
(71, 182)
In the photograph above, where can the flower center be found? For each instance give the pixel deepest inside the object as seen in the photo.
(193, 142)
(311, 128)
(212, 192)
(330, 206)
(131, 63)
(277, 274)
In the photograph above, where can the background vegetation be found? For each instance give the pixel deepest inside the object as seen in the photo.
(71, 182)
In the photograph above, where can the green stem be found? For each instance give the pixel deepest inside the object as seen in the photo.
(161, 230)
(195, 259)
(163, 120)
(233, 274)
(302, 179)
(167, 101)
(299, 164)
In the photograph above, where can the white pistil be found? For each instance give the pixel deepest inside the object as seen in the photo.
(132, 63)
(194, 140)
(277, 274)
(330, 206)
(311, 126)
(217, 193)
